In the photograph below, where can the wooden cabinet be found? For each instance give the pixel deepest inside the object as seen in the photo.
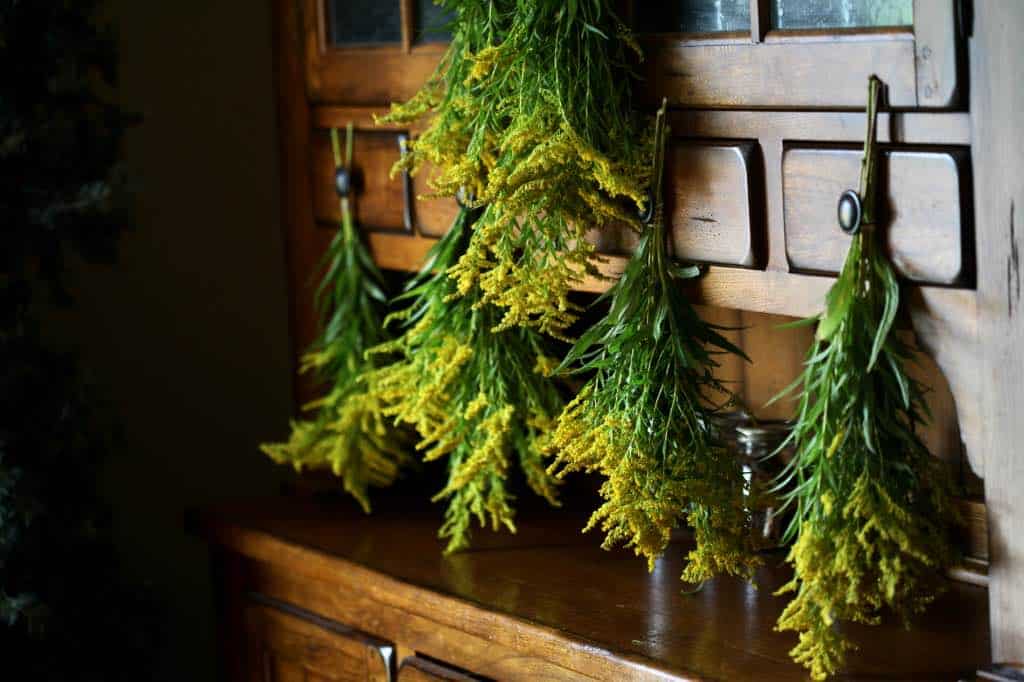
(315, 591)
(767, 101)
(766, 104)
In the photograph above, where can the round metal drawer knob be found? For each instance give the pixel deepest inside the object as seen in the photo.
(849, 212)
(342, 182)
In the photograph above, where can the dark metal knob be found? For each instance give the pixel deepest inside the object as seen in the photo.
(849, 212)
(342, 182)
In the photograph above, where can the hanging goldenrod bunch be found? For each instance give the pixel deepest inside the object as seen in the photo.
(478, 399)
(871, 504)
(643, 420)
(347, 435)
(532, 121)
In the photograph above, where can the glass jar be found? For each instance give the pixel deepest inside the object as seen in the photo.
(756, 443)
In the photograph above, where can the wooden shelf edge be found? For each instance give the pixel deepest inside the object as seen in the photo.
(764, 291)
(580, 656)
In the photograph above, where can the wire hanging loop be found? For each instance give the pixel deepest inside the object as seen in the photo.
(856, 209)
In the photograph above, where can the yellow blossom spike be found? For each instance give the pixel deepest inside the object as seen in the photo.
(872, 506)
(470, 394)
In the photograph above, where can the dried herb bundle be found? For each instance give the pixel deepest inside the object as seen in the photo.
(476, 397)
(347, 434)
(871, 504)
(532, 121)
(643, 420)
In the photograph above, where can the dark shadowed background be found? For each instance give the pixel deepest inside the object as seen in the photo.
(187, 337)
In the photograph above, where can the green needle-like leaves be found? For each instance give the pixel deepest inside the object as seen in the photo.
(643, 419)
(478, 399)
(871, 504)
(532, 122)
(347, 435)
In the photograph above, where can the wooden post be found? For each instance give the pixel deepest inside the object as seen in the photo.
(997, 114)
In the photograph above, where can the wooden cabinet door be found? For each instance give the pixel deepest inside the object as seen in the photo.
(283, 647)
(704, 53)
(801, 53)
(370, 51)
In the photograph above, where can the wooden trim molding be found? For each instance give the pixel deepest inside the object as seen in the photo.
(997, 103)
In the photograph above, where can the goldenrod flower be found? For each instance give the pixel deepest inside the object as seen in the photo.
(538, 128)
(347, 435)
(469, 393)
(643, 423)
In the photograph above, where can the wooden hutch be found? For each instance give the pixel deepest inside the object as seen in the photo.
(766, 101)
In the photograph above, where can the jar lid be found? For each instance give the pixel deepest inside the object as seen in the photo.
(765, 433)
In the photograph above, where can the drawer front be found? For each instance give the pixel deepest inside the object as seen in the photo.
(419, 669)
(379, 202)
(284, 646)
(713, 196)
(925, 203)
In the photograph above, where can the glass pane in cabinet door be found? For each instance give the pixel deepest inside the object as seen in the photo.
(841, 13)
(363, 22)
(692, 16)
(432, 22)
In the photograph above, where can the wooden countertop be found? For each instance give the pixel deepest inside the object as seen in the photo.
(551, 589)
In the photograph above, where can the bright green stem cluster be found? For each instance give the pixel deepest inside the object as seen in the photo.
(872, 507)
(347, 435)
(532, 121)
(479, 399)
(643, 420)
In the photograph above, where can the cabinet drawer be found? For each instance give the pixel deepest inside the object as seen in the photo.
(925, 210)
(713, 195)
(419, 669)
(284, 646)
(379, 203)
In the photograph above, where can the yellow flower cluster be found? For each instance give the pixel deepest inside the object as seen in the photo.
(642, 421)
(530, 249)
(438, 386)
(512, 131)
(875, 552)
(349, 439)
(476, 398)
(646, 495)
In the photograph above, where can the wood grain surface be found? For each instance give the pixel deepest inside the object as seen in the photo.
(548, 603)
(997, 103)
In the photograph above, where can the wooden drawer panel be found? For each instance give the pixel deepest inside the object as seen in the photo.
(419, 669)
(712, 204)
(284, 646)
(927, 210)
(379, 202)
